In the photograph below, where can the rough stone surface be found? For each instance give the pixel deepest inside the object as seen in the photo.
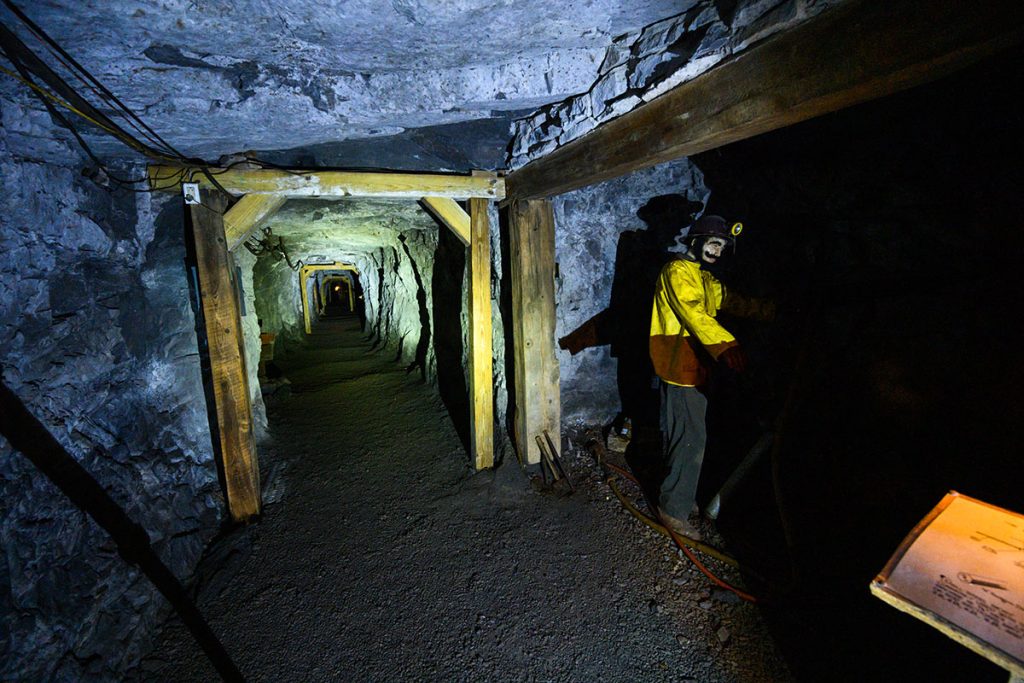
(590, 224)
(248, 74)
(97, 338)
(642, 65)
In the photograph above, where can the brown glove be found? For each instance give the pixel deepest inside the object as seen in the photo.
(734, 359)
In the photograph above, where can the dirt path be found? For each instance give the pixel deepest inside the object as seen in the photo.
(381, 557)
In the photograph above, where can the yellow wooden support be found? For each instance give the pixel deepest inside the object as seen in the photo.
(304, 273)
(481, 386)
(246, 215)
(532, 260)
(450, 214)
(218, 298)
(321, 183)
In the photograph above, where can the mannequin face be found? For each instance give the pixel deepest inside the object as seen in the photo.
(712, 249)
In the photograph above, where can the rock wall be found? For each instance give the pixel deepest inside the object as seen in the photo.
(642, 65)
(97, 338)
(592, 226)
(245, 263)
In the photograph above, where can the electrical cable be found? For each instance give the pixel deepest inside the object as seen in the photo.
(24, 60)
(44, 37)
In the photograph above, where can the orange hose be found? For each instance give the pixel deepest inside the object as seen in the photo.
(682, 545)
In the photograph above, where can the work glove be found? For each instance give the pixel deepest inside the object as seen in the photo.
(734, 359)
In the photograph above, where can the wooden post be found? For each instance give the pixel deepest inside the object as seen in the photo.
(481, 382)
(218, 297)
(306, 318)
(532, 255)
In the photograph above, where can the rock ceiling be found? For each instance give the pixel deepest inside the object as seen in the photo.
(221, 76)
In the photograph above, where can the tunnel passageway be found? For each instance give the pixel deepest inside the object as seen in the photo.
(379, 557)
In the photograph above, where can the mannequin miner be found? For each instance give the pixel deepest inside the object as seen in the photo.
(685, 338)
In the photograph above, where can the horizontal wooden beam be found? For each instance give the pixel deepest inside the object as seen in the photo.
(328, 184)
(451, 214)
(852, 53)
(246, 215)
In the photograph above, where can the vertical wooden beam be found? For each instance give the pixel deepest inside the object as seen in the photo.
(481, 382)
(306, 317)
(532, 255)
(218, 297)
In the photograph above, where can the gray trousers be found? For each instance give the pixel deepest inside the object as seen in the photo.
(684, 436)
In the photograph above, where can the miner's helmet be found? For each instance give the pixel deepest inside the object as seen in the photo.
(714, 226)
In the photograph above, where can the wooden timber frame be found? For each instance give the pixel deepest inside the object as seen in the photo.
(304, 273)
(860, 50)
(857, 51)
(262, 192)
(349, 288)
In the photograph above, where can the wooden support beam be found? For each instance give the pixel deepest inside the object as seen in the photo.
(218, 297)
(858, 51)
(247, 214)
(328, 184)
(304, 273)
(481, 380)
(532, 256)
(450, 214)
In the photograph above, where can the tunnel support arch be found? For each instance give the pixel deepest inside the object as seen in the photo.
(438, 193)
(218, 297)
(304, 273)
(531, 227)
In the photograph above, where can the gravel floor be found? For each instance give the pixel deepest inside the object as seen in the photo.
(380, 556)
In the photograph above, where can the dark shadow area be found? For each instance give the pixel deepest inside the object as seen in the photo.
(459, 147)
(447, 290)
(420, 360)
(889, 235)
(505, 306)
(29, 437)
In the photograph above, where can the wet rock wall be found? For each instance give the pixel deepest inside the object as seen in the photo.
(97, 338)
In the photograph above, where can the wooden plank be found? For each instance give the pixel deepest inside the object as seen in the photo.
(532, 259)
(451, 214)
(852, 53)
(321, 183)
(218, 297)
(247, 214)
(481, 382)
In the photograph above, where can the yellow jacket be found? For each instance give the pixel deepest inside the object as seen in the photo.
(686, 301)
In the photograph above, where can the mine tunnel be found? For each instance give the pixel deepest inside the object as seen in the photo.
(558, 341)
